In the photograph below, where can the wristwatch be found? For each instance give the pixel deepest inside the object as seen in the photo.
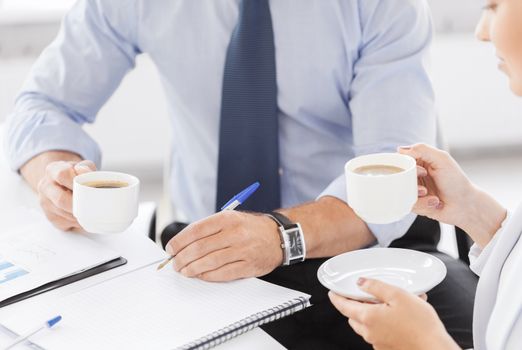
(292, 239)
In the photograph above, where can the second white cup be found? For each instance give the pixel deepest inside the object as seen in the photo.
(382, 198)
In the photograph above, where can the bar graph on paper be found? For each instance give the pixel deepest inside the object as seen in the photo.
(20, 254)
(10, 271)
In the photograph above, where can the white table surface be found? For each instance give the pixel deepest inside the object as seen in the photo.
(15, 192)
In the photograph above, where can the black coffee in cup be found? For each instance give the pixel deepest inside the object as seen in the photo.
(106, 184)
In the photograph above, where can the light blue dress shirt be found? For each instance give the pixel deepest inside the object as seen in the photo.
(351, 80)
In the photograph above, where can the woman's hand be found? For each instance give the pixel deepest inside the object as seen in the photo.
(402, 321)
(444, 189)
(447, 195)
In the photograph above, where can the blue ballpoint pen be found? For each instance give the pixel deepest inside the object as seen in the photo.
(239, 198)
(24, 337)
(232, 204)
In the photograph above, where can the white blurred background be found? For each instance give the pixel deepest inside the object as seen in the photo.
(481, 120)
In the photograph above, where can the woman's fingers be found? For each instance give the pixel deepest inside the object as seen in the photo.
(421, 171)
(358, 328)
(384, 292)
(427, 205)
(350, 308)
(422, 152)
(422, 191)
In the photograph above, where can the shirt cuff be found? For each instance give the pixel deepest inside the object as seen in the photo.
(46, 131)
(385, 234)
(337, 189)
(478, 257)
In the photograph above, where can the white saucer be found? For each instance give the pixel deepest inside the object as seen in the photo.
(411, 270)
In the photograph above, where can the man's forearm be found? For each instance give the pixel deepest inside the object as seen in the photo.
(34, 169)
(330, 227)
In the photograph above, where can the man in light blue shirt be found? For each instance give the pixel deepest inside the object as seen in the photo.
(351, 80)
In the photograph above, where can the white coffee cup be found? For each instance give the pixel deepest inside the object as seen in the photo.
(105, 210)
(382, 199)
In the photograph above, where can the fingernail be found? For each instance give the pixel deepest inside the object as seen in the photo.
(169, 250)
(361, 281)
(433, 202)
(405, 147)
(439, 206)
(422, 191)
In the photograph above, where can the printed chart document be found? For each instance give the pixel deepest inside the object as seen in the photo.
(133, 244)
(33, 253)
(149, 309)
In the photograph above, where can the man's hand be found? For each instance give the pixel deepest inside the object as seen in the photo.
(51, 175)
(227, 246)
(230, 244)
(55, 192)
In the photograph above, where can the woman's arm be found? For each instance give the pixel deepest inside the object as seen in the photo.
(483, 218)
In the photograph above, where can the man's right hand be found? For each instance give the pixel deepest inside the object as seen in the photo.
(51, 175)
(55, 192)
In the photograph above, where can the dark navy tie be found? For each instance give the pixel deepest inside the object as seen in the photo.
(248, 136)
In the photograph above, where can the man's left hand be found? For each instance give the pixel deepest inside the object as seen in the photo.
(227, 246)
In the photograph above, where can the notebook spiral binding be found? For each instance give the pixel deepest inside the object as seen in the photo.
(247, 324)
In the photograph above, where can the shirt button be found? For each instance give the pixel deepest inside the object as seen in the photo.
(280, 171)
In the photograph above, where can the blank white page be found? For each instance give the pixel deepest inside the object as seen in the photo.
(148, 309)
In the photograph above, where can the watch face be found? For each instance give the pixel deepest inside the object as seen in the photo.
(296, 246)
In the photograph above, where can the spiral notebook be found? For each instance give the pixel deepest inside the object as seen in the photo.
(147, 309)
